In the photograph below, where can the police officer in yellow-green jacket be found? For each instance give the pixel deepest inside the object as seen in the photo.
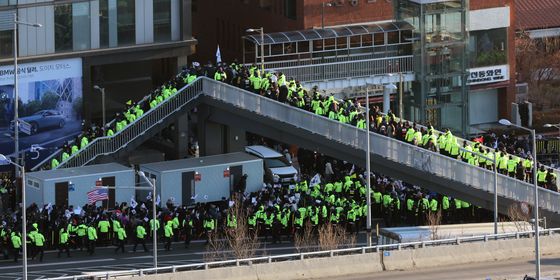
(140, 237)
(121, 237)
(541, 176)
(63, 237)
(16, 244)
(168, 234)
(92, 238)
(39, 241)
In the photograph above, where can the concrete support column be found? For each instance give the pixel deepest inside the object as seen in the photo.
(181, 137)
(386, 100)
(210, 134)
(236, 139)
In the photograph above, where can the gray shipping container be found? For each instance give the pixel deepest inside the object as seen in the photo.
(69, 186)
(204, 179)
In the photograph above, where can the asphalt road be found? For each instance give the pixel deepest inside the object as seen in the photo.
(513, 269)
(105, 259)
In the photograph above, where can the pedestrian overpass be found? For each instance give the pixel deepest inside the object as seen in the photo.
(246, 111)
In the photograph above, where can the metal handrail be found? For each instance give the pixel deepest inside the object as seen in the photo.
(303, 255)
(346, 69)
(110, 144)
(59, 151)
(392, 149)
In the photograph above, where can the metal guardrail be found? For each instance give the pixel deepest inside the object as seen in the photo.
(347, 69)
(307, 255)
(111, 144)
(392, 149)
(306, 61)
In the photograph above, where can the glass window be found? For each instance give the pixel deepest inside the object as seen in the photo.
(341, 43)
(406, 36)
(303, 47)
(289, 48)
(126, 22)
(63, 27)
(6, 43)
(103, 24)
(379, 39)
(81, 26)
(393, 37)
(8, 2)
(367, 40)
(330, 44)
(355, 41)
(488, 47)
(276, 49)
(290, 9)
(162, 20)
(317, 45)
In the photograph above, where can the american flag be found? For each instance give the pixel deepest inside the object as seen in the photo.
(97, 195)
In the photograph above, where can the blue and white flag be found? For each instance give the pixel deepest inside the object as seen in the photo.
(218, 55)
(315, 180)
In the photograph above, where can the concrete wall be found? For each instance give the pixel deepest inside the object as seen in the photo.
(306, 269)
(409, 259)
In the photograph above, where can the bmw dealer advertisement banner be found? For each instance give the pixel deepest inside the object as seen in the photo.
(50, 101)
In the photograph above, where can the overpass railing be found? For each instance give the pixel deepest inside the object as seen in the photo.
(270, 64)
(308, 255)
(346, 69)
(389, 148)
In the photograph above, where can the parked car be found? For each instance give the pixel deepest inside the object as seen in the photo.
(42, 120)
(277, 169)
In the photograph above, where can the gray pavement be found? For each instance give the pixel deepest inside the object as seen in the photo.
(512, 269)
(105, 259)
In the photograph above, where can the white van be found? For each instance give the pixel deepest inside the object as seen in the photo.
(277, 169)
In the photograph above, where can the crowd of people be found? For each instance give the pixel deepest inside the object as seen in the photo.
(335, 195)
(512, 156)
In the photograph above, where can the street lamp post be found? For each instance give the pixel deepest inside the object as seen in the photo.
(3, 158)
(368, 171)
(323, 5)
(556, 126)
(102, 90)
(152, 183)
(400, 95)
(261, 30)
(16, 98)
(536, 202)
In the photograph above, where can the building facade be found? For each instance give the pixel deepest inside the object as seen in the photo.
(464, 50)
(462, 62)
(224, 22)
(125, 47)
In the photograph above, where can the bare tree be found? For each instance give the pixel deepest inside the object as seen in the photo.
(304, 240)
(518, 217)
(333, 236)
(434, 221)
(216, 249)
(241, 241)
(538, 64)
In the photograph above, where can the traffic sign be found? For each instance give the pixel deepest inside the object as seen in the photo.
(24, 127)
